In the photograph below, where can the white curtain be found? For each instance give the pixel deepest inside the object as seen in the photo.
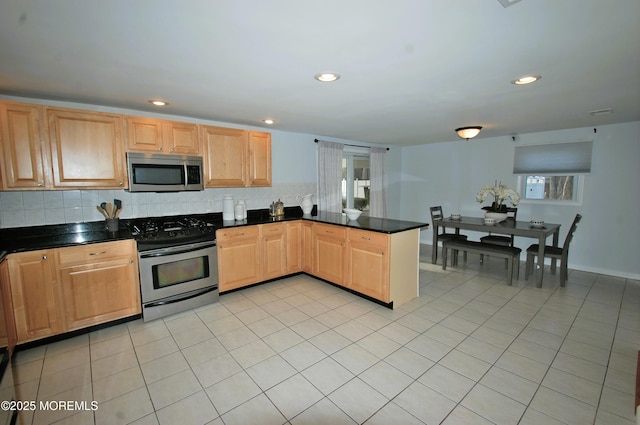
(377, 194)
(330, 176)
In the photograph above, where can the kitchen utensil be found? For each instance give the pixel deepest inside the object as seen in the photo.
(118, 206)
(109, 209)
(102, 211)
(305, 203)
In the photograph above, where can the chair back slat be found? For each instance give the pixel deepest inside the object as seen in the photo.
(572, 230)
(436, 213)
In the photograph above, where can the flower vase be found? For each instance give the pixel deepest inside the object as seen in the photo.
(498, 216)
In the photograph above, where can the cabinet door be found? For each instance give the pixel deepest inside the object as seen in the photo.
(274, 251)
(294, 246)
(86, 149)
(368, 257)
(100, 292)
(307, 247)
(22, 155)
(35, 295)
(181, 137)
(144, 134)
(259, 159)
(224, 151)
(8, 337)
(239, 261)
(329, 244)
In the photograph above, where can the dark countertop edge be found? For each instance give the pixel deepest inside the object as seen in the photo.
(21, 239)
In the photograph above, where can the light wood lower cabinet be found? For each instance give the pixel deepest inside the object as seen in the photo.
(274, 250)
(99, 283)
(35, 294)
(379, 265)
(59, 290)
(239, 259)
(368, 259)
(329, 252)
(8, 337)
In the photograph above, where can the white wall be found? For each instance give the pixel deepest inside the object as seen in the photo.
(608, 238)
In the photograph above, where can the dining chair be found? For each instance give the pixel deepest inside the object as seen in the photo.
(555, 252)
(436, 214)
(512, 214)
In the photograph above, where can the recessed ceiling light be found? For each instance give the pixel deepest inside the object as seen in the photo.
(158, 102)
(326, 77)
(526, 79)
(268, 121)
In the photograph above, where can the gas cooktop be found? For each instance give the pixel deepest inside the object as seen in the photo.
(174, 230)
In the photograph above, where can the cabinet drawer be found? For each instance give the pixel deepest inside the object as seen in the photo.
(95, 252)
(337, 232)
(269, 230)
(373, 238)
(223, 235)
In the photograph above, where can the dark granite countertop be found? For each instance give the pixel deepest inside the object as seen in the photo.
(18, 239)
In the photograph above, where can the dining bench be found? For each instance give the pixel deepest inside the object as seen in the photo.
(509, 253)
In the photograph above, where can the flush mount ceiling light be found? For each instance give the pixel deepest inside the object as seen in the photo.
(468, 132)
(158, 102)
(268, 121)
(526, 79)
(326, 77)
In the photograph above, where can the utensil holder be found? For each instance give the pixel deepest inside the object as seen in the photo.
(113, 224)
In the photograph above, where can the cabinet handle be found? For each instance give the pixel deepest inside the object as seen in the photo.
(40, 184)
(239, 234)
(130, 261)
(44, 257)
(172, 149)
(98, 253)
(121, 184)
(160, 148)
(366, 239)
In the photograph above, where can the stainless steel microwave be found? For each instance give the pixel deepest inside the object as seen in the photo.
(164, 173)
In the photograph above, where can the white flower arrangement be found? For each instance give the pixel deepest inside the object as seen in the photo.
(501, 194)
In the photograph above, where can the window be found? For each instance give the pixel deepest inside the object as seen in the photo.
(552, 173)
(551, 188)
(355, 179)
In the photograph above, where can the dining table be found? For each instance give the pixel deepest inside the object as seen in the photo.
(506, 227)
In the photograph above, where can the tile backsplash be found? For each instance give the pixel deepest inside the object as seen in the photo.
(34, 208)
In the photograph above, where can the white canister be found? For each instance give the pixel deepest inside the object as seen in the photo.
(227, 208)
(244, 208)
(239, 210)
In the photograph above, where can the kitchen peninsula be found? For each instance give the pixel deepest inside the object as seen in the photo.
(374, 257)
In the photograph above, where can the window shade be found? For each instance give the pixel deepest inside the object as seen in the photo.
(553, 159)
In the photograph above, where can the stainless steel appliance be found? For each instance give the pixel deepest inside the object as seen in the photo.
(178, 264)
(164, 173)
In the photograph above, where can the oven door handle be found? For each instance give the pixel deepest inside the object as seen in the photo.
(177, 300)
(176, 250)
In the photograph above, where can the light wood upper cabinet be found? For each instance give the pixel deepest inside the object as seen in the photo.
(23, 160)
(99, 283)
(259, 158)
(86, 149)
(161, 136)
(225, 153)
(236, 158)
(35, 295)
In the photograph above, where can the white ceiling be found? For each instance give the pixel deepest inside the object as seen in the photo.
(412, 70)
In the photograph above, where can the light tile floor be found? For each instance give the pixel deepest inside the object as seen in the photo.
(469, 350)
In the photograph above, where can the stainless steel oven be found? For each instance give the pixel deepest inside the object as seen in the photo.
(178, 278)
